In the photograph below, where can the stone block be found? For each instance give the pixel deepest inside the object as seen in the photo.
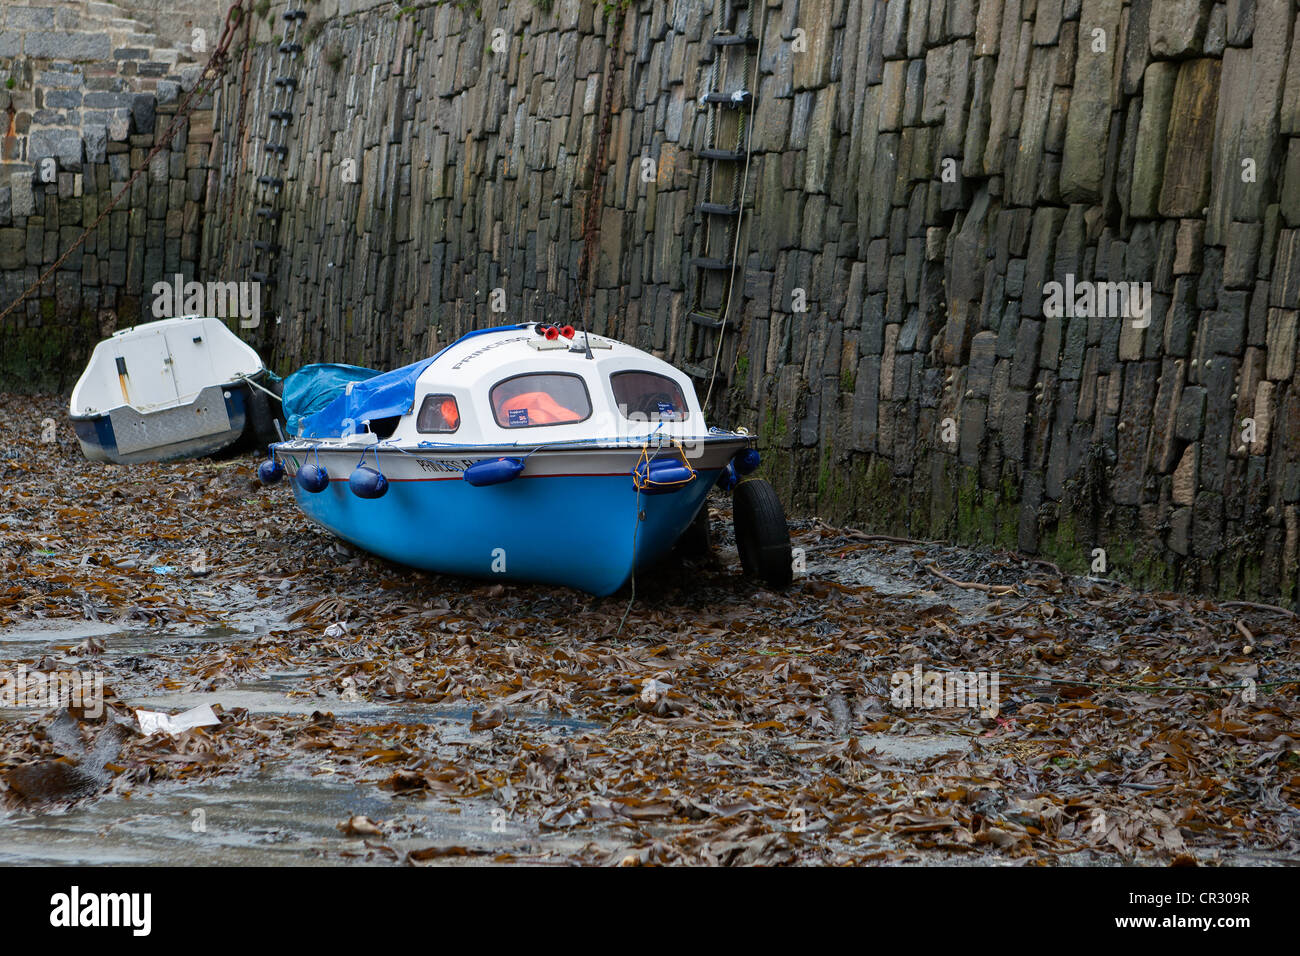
(1153, 127)
(64, 144)
(29, 18)
(1191, 414)
(1091, 102)
(1177, 27)
(1281, 344)
(1240, 22)
(1241, 254)
(1191, 139)
(69, 46)
(1246, 123)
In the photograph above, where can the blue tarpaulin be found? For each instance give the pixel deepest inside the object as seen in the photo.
(378, 396)
(312, 388)
(339, 399)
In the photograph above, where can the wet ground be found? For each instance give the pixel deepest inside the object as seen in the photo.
(377, 715)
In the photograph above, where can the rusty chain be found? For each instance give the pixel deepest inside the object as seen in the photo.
(238, 159)
(212, 71)
(595, 198)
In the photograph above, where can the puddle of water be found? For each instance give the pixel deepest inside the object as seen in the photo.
(286, 813)
(282, 815)
(267, 697)
(889, 571)
(263, 820)
(29, 641)
(59, 630)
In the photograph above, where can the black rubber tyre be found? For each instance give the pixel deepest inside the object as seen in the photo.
(262, 411)
(762, 536)
(694, 541)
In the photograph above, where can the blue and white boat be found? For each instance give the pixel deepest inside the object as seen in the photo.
(522, 453)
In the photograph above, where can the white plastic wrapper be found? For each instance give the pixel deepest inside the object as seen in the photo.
(652, 690)
(153, 721)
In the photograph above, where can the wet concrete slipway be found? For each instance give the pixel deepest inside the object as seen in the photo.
(374, 715)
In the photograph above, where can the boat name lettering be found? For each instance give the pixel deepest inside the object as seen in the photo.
(487, 348)
(444, 467)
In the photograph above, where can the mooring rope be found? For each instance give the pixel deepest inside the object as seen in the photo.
(249, 381)
(636, 526)
(645, 482)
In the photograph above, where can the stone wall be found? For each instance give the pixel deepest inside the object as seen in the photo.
(921, 171)
(74, 72)
(174, 21)
(419, 179)
(151, 235)
(88, 95)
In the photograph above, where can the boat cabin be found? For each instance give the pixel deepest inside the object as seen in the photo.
(518, 385)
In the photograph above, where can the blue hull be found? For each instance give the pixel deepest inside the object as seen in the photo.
(570, 530)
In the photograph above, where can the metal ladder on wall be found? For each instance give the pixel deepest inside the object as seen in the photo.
(270, 179)
(724, 159)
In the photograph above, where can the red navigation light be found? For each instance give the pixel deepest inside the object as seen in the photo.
(567, 331)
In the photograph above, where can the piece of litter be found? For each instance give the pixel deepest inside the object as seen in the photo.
(153, 721)
(162, 569)
(652, 690)
(359, 826)
(337, 629)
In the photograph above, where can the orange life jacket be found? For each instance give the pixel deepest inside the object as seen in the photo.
(541, 408)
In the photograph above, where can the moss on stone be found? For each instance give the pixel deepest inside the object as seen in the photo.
(45, 359)
(1007, 507)
(772, 431)
(880, 502)
(1250, 574)
(1062, 545)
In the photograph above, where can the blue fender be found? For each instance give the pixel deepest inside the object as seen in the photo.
(493, 471)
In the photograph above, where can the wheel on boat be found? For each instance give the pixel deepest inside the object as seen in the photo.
(762, 535)
(262, 413)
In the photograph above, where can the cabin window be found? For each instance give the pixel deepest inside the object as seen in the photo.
(648, 397)
(439, 415)
(549, 398)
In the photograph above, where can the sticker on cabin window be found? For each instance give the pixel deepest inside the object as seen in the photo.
(666, 408)
(518, 416)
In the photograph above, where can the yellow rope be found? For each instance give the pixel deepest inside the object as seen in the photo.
(645, 483)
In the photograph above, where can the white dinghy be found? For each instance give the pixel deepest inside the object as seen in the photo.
(175, 388)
